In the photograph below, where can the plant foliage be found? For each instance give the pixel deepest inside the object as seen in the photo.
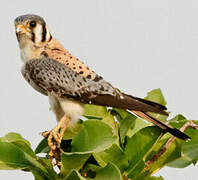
(110, 144)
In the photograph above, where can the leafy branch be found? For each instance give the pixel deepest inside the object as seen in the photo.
(110, 144)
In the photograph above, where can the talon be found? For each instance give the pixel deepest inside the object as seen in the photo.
(54, 138)
(51, 153)
(45, 134)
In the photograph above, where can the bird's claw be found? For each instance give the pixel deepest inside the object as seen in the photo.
(54, 142)
(54, 138)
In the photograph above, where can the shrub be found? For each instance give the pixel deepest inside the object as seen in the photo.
(104, 148)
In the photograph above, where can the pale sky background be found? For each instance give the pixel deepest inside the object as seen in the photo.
(137, 45)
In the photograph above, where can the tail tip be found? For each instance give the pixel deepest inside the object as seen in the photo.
(177, 133)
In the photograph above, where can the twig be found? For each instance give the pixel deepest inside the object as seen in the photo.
(169, 142)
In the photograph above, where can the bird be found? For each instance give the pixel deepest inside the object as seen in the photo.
(70, 84)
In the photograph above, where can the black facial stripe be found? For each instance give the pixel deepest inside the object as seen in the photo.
(17, 35)
(44, 32)
(33, 37)
(50, 37)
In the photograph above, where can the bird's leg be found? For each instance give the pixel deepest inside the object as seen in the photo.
(55, 137)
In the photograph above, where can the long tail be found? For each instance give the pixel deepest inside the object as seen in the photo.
(128, 102)
(175, 132)
(139, 107)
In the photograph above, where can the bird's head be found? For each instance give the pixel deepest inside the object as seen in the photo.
(31, 30)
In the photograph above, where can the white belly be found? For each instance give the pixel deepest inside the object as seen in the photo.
(63, 106)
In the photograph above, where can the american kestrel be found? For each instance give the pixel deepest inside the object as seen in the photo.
(50, 69)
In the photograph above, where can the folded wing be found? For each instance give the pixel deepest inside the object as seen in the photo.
(49, 76)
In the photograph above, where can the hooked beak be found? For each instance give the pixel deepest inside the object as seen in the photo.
(21, 29)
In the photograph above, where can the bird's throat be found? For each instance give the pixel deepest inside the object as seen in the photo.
(29, 52)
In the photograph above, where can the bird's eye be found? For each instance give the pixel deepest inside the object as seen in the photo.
(32, 24)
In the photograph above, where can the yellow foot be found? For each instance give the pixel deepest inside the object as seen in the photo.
(54, 138)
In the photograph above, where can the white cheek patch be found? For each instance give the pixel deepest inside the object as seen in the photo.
(48, 35)
(38, 33)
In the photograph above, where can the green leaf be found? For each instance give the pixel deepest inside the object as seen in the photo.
(139, 145)
(180, 154)
(175, 155)
(108, 172)
(126, 124)
(74, 175)
(153, 178)
(109, 119)
(12, 157)
(90, 169)
(120, 113)
(95, 136)
(71, 161)
(137, 169)
(15, 153)
(156, 96)
(159, 116)
(71, 132)
(18, 159)
(177, 118)
(38, 176)
(42, 147)
(48, 166)
(195, 161)
(157, 147)
(172, 153)
(17, 140)
(13, 137)
(94, 111)
(103, 148)
(189, 151)
(113, 155)
(139, 124)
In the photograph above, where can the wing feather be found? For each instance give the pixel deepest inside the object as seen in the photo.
(48, 75)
